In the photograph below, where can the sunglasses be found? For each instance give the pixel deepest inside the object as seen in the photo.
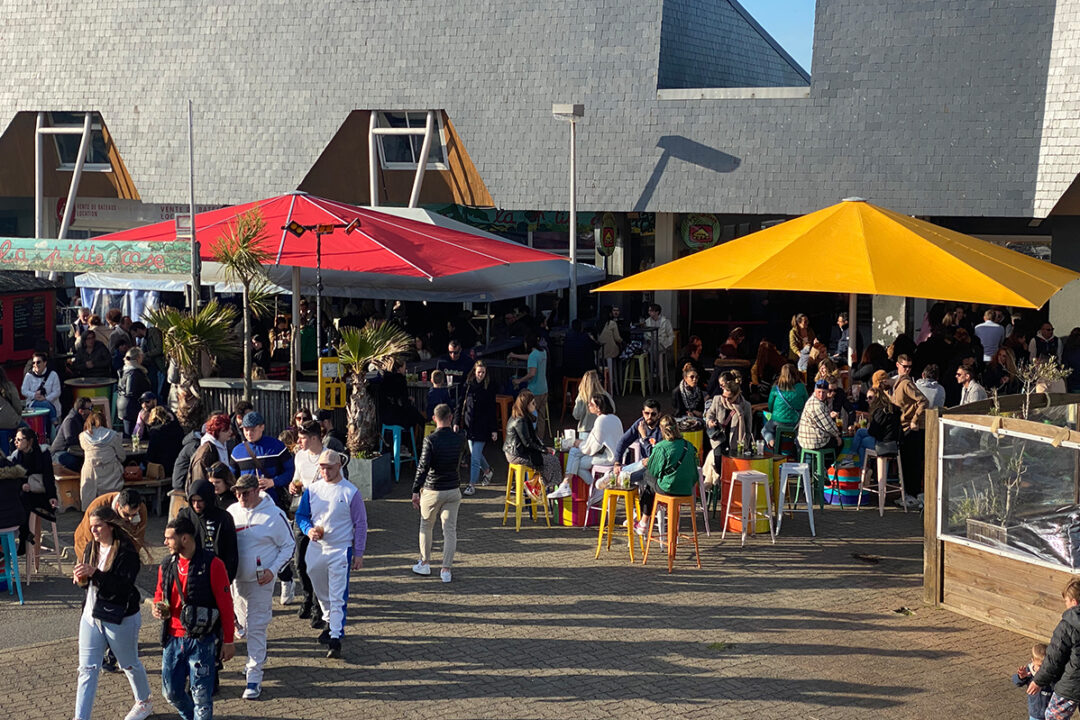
(455, 352)
(906, 367)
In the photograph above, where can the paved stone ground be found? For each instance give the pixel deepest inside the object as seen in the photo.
(534, 627)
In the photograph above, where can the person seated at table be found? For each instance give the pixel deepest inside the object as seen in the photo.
(41, 387)
(260, 353)
(523, 447)
(692, 356)
(68, 434)
(134, 381)
(732, 349)
(874, 358)
(786, 400)
(394, 405)
(439, 394)
(816, 429)
(767, 365)
(419, 351)
(671, 469)
(928, 385)
(103, 459)
(728, 425)
(590, 385)
(840, 407)
(127, 504)
(39, 489)
(164, 438)
(665, 334)
(884, 426)
(147, 402)
(801, 336)
(597, 449)
(455, 362)
(1001, 373)
(688, 397)
(643, 434)
(280, 339)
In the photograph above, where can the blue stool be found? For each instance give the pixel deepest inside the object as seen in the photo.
(397, 430)
(819, 466)
(11, 562)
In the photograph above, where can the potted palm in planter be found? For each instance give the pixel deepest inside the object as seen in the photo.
(375, 343)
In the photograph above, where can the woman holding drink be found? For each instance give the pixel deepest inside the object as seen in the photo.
(110, 615)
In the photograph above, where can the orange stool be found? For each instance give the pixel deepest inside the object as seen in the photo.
(671, 504)
(504, 402)
(609, 507)
(516, 497)
(568, 384)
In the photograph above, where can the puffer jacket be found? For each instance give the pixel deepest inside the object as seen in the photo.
(1061, 668)
(437, 468)
(522, 442)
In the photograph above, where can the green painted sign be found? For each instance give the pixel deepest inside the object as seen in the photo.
(79, 256)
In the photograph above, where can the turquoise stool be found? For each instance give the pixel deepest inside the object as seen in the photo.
(785, 438)
(819, 466)
(397, 431)
(11, 562)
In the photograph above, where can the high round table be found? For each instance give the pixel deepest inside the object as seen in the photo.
(98, 389)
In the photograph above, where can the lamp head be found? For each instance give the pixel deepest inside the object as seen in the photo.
(568, 111)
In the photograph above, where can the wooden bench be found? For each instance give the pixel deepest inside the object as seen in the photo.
(155, 487)
(68, 483)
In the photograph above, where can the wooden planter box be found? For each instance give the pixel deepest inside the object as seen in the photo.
(987, 532)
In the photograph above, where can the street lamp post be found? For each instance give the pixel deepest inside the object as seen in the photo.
(572, 113)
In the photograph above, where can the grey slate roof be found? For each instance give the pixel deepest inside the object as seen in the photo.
(933, 107)
(716, 43)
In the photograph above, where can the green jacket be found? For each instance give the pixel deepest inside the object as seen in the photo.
(675, 470)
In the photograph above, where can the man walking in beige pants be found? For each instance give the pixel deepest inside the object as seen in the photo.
(437, 490)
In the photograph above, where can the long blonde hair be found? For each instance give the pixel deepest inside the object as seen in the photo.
(786, 381)
(590, 385)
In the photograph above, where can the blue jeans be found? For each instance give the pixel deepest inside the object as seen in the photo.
(477, 461)
(198, 658)
(94, 637)
(862, 442)
(71, 462)
(636, 470)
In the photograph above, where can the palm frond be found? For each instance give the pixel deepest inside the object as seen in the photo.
(376, 342)
(240, 250)
(188, 337)
(261, 297)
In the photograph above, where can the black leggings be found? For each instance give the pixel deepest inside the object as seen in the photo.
(649, 489)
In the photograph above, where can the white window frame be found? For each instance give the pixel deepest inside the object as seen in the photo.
(440, 137)
(96, 126)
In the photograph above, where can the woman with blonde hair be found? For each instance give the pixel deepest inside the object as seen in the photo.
(103, 459)
(590, 385)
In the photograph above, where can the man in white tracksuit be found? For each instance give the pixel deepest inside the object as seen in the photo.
(332, 514)
(264, 543)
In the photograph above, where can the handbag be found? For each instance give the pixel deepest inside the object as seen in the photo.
(132, 474)
(109, 611)
(196, 620)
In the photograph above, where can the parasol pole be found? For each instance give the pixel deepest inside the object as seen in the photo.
(294, 343)
(853, 332)
(318, 295)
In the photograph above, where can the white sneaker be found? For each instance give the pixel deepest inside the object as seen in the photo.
(421, 568)
(252, 691)
(140, 711)
(444, 575)
(560, 492)
(486, 475)
(288, 592)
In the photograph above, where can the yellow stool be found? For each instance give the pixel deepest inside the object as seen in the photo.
(428, 429)
(608, 509)
(516, 498)
(630, 378)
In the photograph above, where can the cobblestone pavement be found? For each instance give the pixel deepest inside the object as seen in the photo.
(534, 627)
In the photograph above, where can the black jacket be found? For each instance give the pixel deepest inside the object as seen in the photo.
(215, 530)
(522, 442)
(11, 507)
(117, 584)
(884, 425)
(183, 461)
(37, 462)
(164, 444)
(476, 414)
(68, 434)
(437, 468)
(1061, 668)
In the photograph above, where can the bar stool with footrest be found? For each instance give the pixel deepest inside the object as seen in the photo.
(748, 481)
(569, 384)
(640, 362)
(505, 402)
(10, 574)
(609, 506)
(785, 438)
(517, 498)
(883, 487)
(671, 505)
(397, 431)
(801, 473)
(34, 550)
(820, 460)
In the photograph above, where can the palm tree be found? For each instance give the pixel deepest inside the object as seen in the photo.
(194, 342)
(376, 342)
(241, 253)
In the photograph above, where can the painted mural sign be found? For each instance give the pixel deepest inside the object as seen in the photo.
(79, 256)
(607, 234)
(700, 231)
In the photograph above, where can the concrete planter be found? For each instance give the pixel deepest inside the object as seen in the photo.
(374, 478)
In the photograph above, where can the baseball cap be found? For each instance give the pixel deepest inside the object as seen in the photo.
(246, 482)
(147, 396)
(324, 415)
(253, 419)
(821, 384)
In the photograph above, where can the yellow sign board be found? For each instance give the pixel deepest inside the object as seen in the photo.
(331, 385)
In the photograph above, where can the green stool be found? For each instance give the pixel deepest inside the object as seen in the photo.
(640, 363)
(819, 466)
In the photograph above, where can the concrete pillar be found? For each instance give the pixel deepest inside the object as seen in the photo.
(617, 263)
(888, 318)
(667, 244)
(1065, 251)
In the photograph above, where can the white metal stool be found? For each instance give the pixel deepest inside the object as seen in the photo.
(883, 487)
(748, 481)
(34, 550)
(801, 471)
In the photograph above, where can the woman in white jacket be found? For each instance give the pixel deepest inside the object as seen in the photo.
(103, 459)
(598, 448)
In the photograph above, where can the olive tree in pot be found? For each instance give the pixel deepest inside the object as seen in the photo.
(376, 344)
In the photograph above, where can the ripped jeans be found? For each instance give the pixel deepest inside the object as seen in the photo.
(197, 657)
(94, 637)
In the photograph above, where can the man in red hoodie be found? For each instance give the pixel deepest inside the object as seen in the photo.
(195, 604)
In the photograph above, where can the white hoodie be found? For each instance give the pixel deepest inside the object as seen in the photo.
(262, 533)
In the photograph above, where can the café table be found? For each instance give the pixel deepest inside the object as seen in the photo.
(131, 454)
(38, 420)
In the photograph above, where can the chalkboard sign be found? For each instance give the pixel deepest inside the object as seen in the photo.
(27, 322)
